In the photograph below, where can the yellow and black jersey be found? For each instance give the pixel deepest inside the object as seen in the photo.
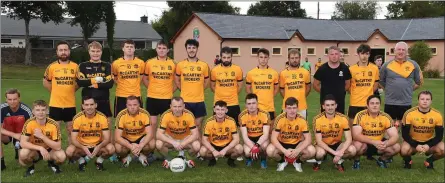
(160, 75)
(263, 83)
(63, 84)
(291, 131)
(362, 83)
(226, 83)
(90, 130)
(220, 133)
(133, 126)
(331, 129)
(422, 125)
(50, 129)
(192, 76)
(85, 78)
(254, 122)
(294, 83)
(177, 127)
(129, 75)
(373, 127)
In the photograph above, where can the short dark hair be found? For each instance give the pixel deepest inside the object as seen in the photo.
(329, 97)
(132, 97)
(363, 48)
(220, 103)
(226, 50)
(251, 96)
(179, 99)
(41, 103)
(63, 42)
(425, 92)
(264, 51)
(291, 101)
(377, 57)
(12, 91)
(87, 97)
(191, 42)
(162, 42)
(128, 41)
(371, 97)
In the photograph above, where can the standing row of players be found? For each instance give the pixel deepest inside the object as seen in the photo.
(192, 77)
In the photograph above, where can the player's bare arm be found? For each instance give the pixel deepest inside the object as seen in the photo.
(56, 145)
(232, 144)
(316, 85)
(191, 138)
(358, 136)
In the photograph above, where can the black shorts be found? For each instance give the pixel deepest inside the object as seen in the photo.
(353, 110)
(62, 114)
(219, 148)
(255, 139)
(120, 103)
(371, 149)
(396, 111)
(233, 111)
(197, 108)
(91, 149)
(289, 146)
(156, 106)
(137, 141)
(272, 115)
(104, 107)
(334, 147)
(40, 155)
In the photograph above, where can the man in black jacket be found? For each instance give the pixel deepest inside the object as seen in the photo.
(95, 78)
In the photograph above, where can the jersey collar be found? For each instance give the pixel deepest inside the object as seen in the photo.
(260, 68)
(197, 59)
(424, 112)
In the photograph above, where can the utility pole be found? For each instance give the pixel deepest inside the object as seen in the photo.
(318, 10)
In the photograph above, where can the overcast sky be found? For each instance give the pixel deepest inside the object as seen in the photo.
(127, 10)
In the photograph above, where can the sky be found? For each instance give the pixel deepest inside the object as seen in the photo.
(128, 10)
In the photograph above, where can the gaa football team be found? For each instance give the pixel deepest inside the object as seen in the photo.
(177, 123)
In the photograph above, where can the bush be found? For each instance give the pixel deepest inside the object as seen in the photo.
(81, 55)
(431, 73)
(421, 53)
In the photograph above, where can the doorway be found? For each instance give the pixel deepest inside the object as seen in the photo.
(375, 52)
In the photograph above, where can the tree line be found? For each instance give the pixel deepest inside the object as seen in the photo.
(89, 15)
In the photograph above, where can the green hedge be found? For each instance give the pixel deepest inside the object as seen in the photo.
(431, 73)
(81, 55)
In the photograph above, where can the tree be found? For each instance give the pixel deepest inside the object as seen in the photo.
(356, 10)
(421, 53)
(415, 9)
(27, 10)
(171, 21)
(110, 21)
(88, 15)
(277, 8)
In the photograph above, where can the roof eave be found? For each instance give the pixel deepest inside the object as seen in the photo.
(172, 40)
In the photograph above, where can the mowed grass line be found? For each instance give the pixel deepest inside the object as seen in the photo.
(33, 89)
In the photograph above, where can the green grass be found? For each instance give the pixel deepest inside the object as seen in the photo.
(33, 89)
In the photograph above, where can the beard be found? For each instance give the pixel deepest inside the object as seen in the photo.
(191, 56)
(226, 63)
(63, 58)
(294, 64)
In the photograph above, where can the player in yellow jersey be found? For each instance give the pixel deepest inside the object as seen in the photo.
(41, 139)
(192, 78)
(295, 81)
(263, 81)
(128, 72)
(329, 128)
(220, 137)
(368, 131)
(290, 138)
(226, 82)
(318, 64)
(364, 81)
(134, 134)
(60, 80)
(255, 127)
(159, 80)
(177, 131)
(422, 131)
(90, 136)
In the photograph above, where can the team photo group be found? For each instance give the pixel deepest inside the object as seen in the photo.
(159, 125)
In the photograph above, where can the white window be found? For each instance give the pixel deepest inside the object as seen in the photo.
(235, 50)
(254, 50)
(276, 50)
(311, 51)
